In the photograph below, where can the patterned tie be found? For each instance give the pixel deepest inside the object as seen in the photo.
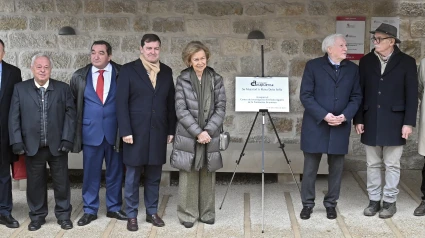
(99, 86)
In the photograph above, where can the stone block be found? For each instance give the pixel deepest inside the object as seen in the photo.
(153, 7)
(312, 47)
(69, 7)
(80, 60)
(259, 139)
(294, 86)
(244, 123)
(269, 45)
(141, 24)
(89, 24)
(246, 26)
(290, 47)
(412, 48)
(385, 7)
(113, 40)
(61, 60)
(185, 7)
(114, 24)
(232, 46)
(213, 8)
(172, 24)
(8, 23)
(37, 23)
(290, 8)
(36, 41)
(259, 8)
(298, 126)
(178, 44)
(250, 66)
(10, 57)
(296, 67)
(93, 6)
(118, 6)
(40, 6)
(61, 75)
(412, 9)
(279, 26)
(175, 62)
(121, 58)
(56, 23)
(349, 7)
(317, 8)
(75, 42)
(417, 28)
(208, 26)
(7, 6)
(276, 66)
(224, 64)
(295, 105)
(282, 125)
(306, 28)
(131, 43)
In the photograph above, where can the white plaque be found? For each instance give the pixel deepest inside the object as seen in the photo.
(255, 93)
(353, 29)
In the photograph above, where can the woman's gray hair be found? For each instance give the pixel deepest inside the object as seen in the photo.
(41, 55)
(330, 41)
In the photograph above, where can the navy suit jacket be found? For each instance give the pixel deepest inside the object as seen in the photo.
(99, 120)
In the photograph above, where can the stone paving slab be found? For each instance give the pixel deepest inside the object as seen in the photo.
(241, 215)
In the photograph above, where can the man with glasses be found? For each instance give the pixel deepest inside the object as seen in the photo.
(385, 119)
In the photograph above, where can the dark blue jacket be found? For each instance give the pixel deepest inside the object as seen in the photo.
(323, 92)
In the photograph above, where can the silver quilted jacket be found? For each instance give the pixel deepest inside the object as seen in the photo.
(187, 128)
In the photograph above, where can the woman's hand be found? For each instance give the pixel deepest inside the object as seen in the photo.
(204, 138)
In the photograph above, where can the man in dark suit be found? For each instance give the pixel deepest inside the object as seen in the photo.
(389, 82)
(330, 94)
(146, 118)
(9, 76)
(94, 91)
(42, 125)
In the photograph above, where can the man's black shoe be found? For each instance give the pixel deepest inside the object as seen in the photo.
(306, 212)
(187, 224)
(119, 215)
(65, 224)
(331, 213)
(35, 225)
(132, 224)
(86, 219)
(209, 222)
(155, 220)
(9, 221)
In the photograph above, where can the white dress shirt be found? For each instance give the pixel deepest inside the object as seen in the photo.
(107, 75)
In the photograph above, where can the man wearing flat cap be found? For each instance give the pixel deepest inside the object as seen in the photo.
(386, 116)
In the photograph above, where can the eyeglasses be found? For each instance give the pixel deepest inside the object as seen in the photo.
(379, 39)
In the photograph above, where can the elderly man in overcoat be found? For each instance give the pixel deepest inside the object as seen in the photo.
(147, 121)
(9, 76)
(389, 82)
(330, 94)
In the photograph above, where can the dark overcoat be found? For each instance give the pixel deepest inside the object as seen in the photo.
(323, 92)
(25, 116)
(390, 99)
(10, 76)
(145, 112)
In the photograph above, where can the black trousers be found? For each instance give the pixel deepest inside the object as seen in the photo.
(308, 185)
(37, 184)
(5, 189)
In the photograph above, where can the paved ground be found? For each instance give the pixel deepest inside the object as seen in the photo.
(241, 214)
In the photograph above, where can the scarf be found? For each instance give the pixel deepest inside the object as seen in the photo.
(152, 68)
(203, 90)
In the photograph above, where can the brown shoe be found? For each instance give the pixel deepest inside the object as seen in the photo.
(132, 224)
(155, 220)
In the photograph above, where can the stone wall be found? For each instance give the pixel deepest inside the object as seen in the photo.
(294, 30)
